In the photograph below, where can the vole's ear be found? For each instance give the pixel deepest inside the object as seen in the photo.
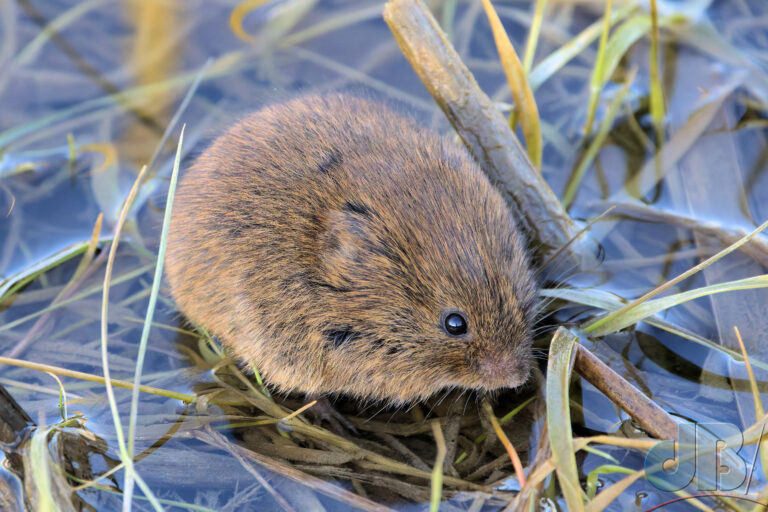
(341, 246)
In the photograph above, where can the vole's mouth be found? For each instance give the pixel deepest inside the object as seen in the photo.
(504, 373)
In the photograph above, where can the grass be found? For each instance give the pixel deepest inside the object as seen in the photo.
(50, 319)
(525, 104)
(158, 277)
(559, 370)
(125, 456)
(437, 471)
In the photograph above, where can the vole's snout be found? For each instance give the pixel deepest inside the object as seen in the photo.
(504, 372)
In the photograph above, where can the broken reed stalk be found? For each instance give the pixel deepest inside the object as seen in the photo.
(13, 419)
(493, 144)
(485, 132)
(652, 418)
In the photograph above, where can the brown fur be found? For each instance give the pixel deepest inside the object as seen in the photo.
(323, 240)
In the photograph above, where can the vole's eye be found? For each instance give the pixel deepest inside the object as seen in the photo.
(455, 324)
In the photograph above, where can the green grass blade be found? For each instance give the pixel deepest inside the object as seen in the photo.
(28, 274)
(41, 470)
(601, 470)
(158, 277)
(553, 63)
(559, 369)
(651, 307)
(609, 302)
(533, 35)
(123, 451)
(90, 291)
(598, 72)
(616, 316)
(27, 54)
(597, 143)
(608, 495)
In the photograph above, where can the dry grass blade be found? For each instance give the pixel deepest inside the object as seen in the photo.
(525, 104)
(437, 471)
(318, 485)
(759, 412)
(381, 462)
(513, 456)
(8, 191)
(561, 355)
(759, 409)
(595, 325)
(51, 492)
(239, 13)
(97, 378)
(657, 94)
(105, 303)
(89, 253)
(107, 150)
(756, 248)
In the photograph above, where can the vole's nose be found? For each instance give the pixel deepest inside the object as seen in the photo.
(503, 372)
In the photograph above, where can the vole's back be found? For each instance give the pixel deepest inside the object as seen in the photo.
(322, 239)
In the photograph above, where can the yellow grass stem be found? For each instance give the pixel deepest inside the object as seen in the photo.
(124, 384)
(239, 13)
(596, 83)
(514, 457)
(597, 143)
(525, 104)
(657, 94)
(533, 35)
(759, 410)
(437, 471)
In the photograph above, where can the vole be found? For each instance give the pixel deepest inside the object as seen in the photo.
(340, 247)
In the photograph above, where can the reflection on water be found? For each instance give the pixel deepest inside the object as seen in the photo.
(88, 90)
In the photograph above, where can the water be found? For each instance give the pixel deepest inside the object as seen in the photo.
(77, 121)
